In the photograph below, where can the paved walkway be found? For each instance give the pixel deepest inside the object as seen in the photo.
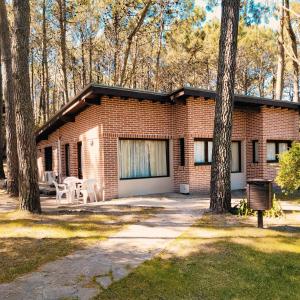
(83, 274)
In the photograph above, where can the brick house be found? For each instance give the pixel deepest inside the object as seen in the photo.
(138, 142)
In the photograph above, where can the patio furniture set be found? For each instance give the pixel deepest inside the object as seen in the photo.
(75, 189)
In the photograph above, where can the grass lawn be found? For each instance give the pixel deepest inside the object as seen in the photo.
(222, 257)
(28, 241)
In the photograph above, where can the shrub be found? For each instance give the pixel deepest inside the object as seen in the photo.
(288, 177)
(244, 210)
(275, 212)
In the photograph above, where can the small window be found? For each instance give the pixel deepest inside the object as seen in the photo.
(67, 159)
(143, 158)
(255, 151)
(48, 159)
(276, 147)
(236, 157)
(182, 153)
(202, 152)
(79, 160)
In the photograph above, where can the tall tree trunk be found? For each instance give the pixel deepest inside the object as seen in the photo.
(293, 40)
(160, 38)
(90, 59)
(32, 75)
(29, 189)
(2, 174)
(63, 44)
(220, 194)
(280, 55)
(74, 74)
(45, 70)
(130, 39)
(115, 67)
(83, 58)
(8, 95)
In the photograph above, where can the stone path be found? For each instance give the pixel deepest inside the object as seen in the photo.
(84, 273)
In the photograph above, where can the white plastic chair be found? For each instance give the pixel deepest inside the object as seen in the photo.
(73, 187)
(88, 190)
(49, 177)
(61, 190)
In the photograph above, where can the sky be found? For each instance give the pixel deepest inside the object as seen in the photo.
(216, 13)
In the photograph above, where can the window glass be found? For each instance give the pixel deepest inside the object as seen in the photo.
(67, 158)
(182, 153)
(271, 151)
(235, 157)
(282, 147)
(199, 151)
(48, 159)
(209, 151)
(143, 158)
(255, 151)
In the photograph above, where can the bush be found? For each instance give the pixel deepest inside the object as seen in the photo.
(288, 177)
(244, 210)
(275, 212)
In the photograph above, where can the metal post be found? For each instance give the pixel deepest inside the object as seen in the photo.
(260, 221)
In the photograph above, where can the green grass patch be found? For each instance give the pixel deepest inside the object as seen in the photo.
(222, 257)
(29, 241)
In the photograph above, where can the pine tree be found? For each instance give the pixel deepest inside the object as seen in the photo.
(29, 189)
(220, 194)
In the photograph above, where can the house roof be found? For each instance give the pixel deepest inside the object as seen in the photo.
(91, 95)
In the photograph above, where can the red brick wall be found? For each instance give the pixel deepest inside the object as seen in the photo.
(100, 127)
(278, 124)
(196, 119)
(84, 129)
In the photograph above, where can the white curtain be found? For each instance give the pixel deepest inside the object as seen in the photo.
(271, 151)
(143, 158)
(199, 151)
(283, 147)
(235, 157)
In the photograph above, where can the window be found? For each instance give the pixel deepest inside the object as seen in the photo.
(202, 151)
(276, 147)
(67, 159)
(143, 158)
(255, 151)
(203, 154)
(236, 157)
(48, 159)
(182, 153)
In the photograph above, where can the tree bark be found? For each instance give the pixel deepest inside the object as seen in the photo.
(220, 194)
(45, 72)
(90, 59)
(293, 40)
(63, 44)
(8, 95)
(29, 189)
(2, 174)
(83, 57)
(280, 55)
(160, 38)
